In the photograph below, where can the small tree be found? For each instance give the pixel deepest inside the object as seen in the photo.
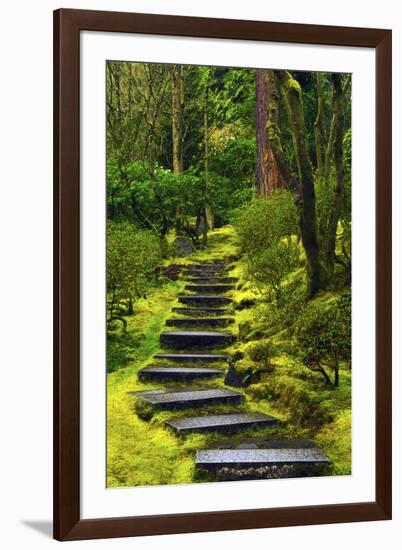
(270, 266)
(323, 335)
(266, 229)
(133, 257)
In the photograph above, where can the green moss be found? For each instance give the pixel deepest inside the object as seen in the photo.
(335, 439)
(141, 450)
(293, 84)
(141, 339)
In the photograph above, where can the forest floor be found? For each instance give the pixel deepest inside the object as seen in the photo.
(145, 452)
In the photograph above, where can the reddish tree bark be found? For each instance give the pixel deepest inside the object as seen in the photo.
(269, 175)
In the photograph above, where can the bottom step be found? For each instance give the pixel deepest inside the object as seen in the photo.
(221, 422)
(259, 457)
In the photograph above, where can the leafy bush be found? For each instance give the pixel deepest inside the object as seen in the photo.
(262, 353)
(265, 228)
(133, 257)
(323, 336)
(270, 266)
(266, 219)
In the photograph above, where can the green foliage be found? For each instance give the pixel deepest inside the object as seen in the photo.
(262, 353)
(323, 335)
(133, 258)
(265, 227)
(335, 439)
(265, 219)
(234, 157)
(146, 201)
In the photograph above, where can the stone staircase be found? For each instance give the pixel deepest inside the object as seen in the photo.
(203, 322)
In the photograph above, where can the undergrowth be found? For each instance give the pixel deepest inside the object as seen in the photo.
(141, 450)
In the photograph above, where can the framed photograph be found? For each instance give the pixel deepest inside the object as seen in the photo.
(220, 362)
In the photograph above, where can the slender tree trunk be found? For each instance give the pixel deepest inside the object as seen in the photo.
(261, 120)
(336, 375)
(177, 118)
(206, 162)
(325, 375)
(318, 137)
(329, 151)
(269, 175)
(338, 192)
(291, 92)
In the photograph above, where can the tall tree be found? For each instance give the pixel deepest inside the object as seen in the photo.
(318, 127)
(177, 118)
(292, 97)
(338, 190)
(269, 175)
(207, 212)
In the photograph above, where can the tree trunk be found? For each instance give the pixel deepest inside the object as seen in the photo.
(318, 136)
(291, 92)
(206, 162)
(336, 375)
(338, 192)
(325, 375)
(329, 151)
(177, 118)
(269, 175)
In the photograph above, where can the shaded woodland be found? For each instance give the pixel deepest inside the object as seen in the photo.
(252, 167)
(187, 146)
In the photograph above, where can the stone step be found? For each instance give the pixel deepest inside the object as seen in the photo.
(205, 273)
(194, 311)
(205, 322)
(178, 373)
(204, 300)
(241, 457)
(195, 340)
(191, 398)
(213, 280)
(221, 422)
(210, 289)
(206, 267)
(192, 357)
(208, 264)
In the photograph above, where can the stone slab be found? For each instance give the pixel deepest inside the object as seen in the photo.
(179, 373)
(207, 265)
(195, 339)
(190, 357)
(221, 422)
(192, 398)
(218, 458)
(206, 322)
(209, 289)
(212, 280)
(200, 311)
(205, 300)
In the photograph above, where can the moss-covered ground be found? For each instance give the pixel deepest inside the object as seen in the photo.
(142, 451)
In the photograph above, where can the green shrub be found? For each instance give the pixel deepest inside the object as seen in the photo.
(265, 227)
(323, 336)
(265, 219)
(133, 259)
(262, 353)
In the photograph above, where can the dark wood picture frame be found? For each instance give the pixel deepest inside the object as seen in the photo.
(67, 26)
